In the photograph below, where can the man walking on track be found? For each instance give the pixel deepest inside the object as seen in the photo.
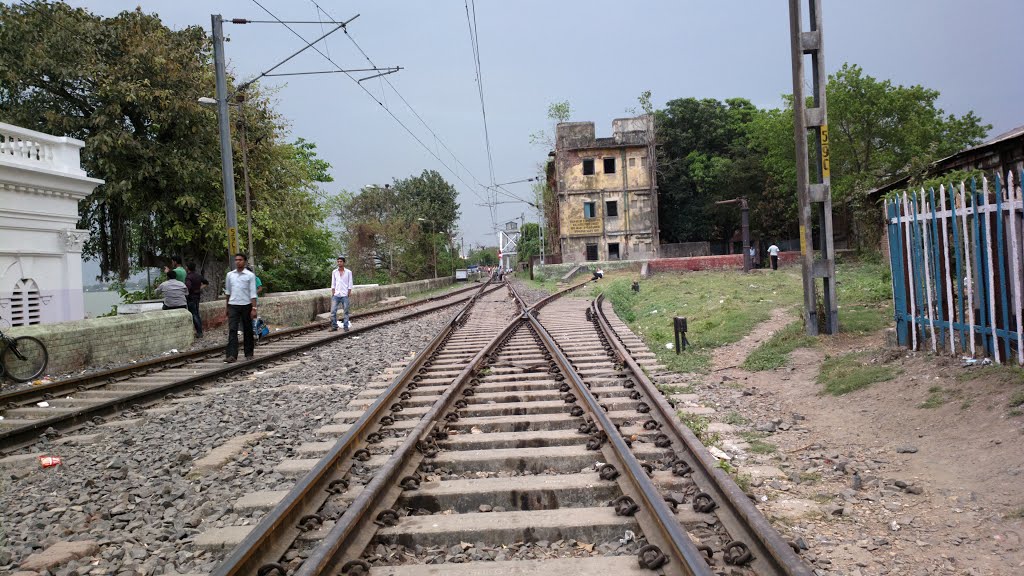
(240, 286)
(341, 286)
(773, 251)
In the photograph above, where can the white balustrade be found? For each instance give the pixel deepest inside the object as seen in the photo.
(24, 147)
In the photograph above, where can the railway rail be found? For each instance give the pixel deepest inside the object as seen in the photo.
(73, 402)
(516, 428)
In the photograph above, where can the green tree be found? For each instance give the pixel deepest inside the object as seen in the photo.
(397, 231)
(879, 131)
(704, 155)
(529, 242)
(487, 256)
(128, 85)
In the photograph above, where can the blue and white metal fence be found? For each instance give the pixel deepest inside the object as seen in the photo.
(957, 258)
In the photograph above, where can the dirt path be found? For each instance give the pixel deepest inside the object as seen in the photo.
(937, 491)
(732, 355)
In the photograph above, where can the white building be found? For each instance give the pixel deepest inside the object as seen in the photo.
(41, 183)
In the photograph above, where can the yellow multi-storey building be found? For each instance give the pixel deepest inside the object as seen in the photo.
(607, 193)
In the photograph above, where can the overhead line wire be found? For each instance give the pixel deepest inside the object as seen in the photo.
(408, 105)
(437, 138)
(375, 99)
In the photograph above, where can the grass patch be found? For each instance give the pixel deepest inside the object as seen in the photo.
(674, 389)
(999, 374)
(1017, 399)
(1015, 514)
(966, 404)
(864, 291)
(736, 419)
(721, 308)
(774, 352)
(810, 477)
(757, 444)
(847, 373)
(1015, 412)
(699, 426)
(743, 481)
(936, 397)
(762, 447)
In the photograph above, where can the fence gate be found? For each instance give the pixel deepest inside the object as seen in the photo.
(957, 258)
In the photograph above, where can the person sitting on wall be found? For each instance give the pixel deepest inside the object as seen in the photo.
(598, 274)
(173, 291)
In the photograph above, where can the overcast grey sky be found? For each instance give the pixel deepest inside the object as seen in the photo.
(597, 55)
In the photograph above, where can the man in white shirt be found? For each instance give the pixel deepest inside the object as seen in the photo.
(773, 251)
(341, 286)
(240, 287)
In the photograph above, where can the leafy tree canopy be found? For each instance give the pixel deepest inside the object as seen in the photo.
(399, 231)
(128, 85)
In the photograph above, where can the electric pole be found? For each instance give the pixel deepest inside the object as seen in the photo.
(224, 121)
(815, 197)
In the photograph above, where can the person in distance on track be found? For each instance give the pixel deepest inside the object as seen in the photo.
(240, 287)
(341, 286)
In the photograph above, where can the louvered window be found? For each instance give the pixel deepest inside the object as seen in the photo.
(25, 303)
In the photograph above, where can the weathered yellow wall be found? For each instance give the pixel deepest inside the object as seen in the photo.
(576, 181)
(629, 186)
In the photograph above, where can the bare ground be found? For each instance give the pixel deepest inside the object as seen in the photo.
(963, 456)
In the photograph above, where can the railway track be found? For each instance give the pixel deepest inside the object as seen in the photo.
(521, 440)
(73, 402)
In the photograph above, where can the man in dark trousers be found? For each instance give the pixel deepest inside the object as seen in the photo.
(240, 287)
(194, 281)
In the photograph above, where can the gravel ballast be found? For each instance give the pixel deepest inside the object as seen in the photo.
(136, 489)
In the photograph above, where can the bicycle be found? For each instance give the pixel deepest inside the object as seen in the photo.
(22, 358)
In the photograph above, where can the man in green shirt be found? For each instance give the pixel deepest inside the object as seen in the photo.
(177, 268)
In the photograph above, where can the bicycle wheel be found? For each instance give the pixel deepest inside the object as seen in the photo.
(25, 358)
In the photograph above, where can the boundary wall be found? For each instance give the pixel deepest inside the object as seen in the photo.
(690, 264)
(722, 262)
(94, 342)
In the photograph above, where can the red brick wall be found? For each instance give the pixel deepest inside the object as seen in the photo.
(722, 262)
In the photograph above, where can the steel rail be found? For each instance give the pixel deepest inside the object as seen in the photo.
(739, 516)
(336, 548)
(26, 435)
(276, 531)
(24, 396)
(670, 533)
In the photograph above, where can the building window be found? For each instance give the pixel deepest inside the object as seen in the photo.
(588, 166)
(643, 161)
(591, 252)
(25, 303)
(611, 208)
(613, 250)
(590, 210)
(609, 165)
(632, 162)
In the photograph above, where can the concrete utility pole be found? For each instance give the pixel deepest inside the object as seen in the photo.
(745, 227)
(815, 197)
(227, 166)
(245, 178)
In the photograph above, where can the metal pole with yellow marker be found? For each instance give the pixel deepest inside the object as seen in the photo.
(813, 190)
(224, 121)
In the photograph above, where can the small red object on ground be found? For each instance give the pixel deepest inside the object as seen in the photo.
(48, 461)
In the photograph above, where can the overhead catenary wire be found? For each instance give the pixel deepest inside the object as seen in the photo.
(378, 101)
(412, 110)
